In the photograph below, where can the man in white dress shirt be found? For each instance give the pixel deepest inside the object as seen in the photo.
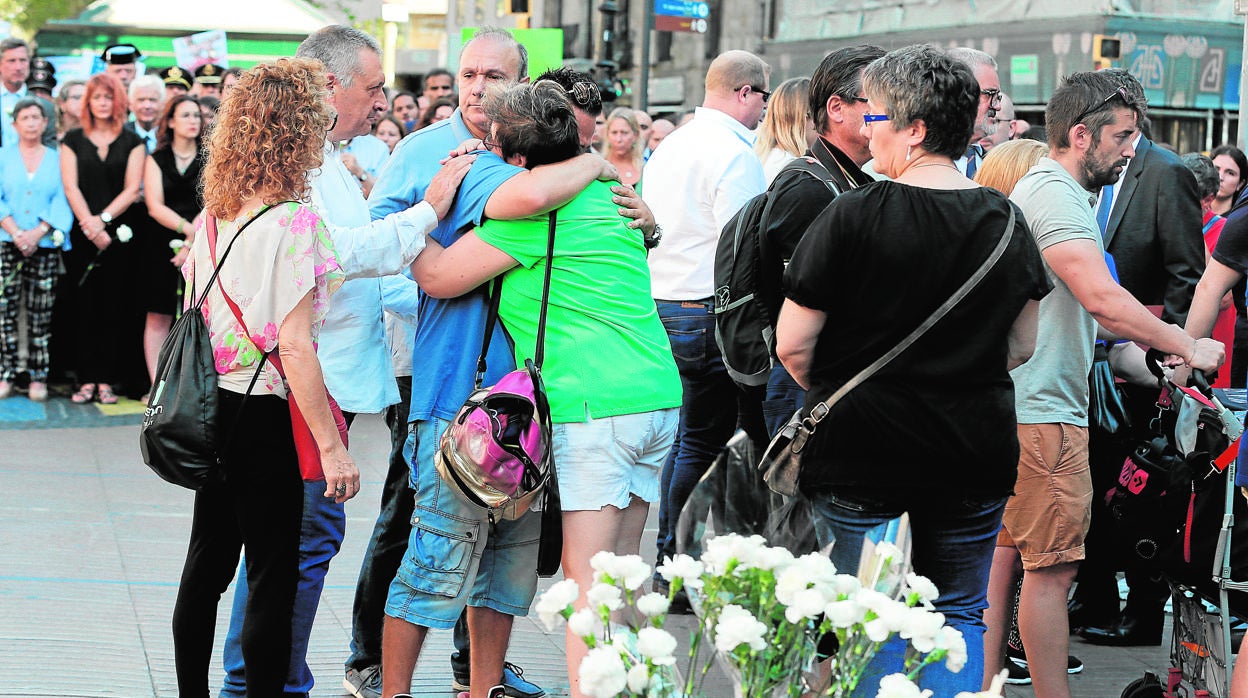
(704, 173)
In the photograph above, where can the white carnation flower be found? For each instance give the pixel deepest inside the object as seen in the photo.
(808, 603)
(58, 238)
(845, 614)
(584, 623)
(775, 559)
(876, 630)
(602, 673)
(632, 572)
(683, 567)
(922, 628)
(638, 679)
(922, 586)
(124, 233)
(652, 605)
(720, 551)
(657, 645)
(951, 639)
(738, 626)
(898, 686)
(556, 600)
(176, 245)
(600, 595)
(845, 585)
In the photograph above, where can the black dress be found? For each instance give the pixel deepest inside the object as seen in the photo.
(101, 305)
(163, 281)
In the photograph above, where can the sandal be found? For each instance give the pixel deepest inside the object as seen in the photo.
(106, 396)
(84, 395)
(38, 392)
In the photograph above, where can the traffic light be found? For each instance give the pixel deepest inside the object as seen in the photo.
(1105, 50)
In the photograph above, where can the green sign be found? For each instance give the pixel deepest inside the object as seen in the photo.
(545, 47)
(1024, 70)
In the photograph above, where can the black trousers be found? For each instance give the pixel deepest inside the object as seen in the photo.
(1097, 578)
(259, 504)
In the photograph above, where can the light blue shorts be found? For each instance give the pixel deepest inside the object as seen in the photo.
(605, 461)
(455, 556)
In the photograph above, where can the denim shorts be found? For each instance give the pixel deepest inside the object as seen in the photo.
(455, 556)
(605, 461)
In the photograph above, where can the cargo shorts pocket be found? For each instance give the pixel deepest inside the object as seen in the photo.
(439, 553)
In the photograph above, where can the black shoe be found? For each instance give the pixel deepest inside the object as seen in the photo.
(1073, 664)
(680, 605)
(1080, 615)
(1129, 631)
(1017, 674)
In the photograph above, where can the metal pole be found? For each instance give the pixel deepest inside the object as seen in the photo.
(647, 21)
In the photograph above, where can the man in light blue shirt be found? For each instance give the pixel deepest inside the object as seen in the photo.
(14, 69)
(352, 351)
(447, 339)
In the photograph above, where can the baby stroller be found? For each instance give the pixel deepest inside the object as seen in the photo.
(1184, 479)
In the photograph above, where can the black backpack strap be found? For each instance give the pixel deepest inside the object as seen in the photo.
(496, 289)
(539, 351)
(812, 167)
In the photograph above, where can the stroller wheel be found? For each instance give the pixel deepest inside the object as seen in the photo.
(1147, 687)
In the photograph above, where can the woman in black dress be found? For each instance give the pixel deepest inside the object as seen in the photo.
(171, 189)
(101, 167)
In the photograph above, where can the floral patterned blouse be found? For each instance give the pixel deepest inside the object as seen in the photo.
(280, 258)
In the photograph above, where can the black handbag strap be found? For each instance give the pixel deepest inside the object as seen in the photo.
(212, 223)
(491, 319)
(821, 410)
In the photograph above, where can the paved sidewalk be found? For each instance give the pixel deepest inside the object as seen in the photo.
(91, 548)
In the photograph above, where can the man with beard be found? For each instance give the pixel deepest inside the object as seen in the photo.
(1092, 123)
(984, 67)
(1151, 223)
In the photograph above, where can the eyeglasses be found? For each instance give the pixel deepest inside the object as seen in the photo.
(490, 146)
(1120, 92)
(994, 96)
(766, 95)
(853, 99)
(872, 118)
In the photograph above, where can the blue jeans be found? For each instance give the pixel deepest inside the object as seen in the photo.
(784, 397)
(953, 544)
(708, 411)
(324, 525)
(455, 556)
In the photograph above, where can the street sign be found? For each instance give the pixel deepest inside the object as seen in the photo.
(667, 23)
(681, 16)
(682, 8)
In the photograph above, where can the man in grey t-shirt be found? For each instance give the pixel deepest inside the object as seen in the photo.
(1092, 124)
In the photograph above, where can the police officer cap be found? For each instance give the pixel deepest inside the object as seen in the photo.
(121, 54)
(173, 75)
(209, 73)
(41, 79)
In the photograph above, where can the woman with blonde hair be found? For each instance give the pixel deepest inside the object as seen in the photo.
(787, 129)
(277, 264)
(1007, 163)
(622, 145)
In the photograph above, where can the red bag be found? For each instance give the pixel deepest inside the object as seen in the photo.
(305, 444)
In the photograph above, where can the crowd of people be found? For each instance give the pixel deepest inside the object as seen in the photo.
(361, 286)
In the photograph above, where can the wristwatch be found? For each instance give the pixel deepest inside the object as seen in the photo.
(106, 217)
(652, 241)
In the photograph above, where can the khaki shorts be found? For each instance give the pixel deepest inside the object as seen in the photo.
(1048, 516)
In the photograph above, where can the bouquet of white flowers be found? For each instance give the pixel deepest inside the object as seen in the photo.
(764, 610)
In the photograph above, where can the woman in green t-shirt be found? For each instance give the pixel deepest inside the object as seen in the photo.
(612, 382)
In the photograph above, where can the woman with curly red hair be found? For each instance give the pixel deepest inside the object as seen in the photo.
(101, 168)
(277, 264)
